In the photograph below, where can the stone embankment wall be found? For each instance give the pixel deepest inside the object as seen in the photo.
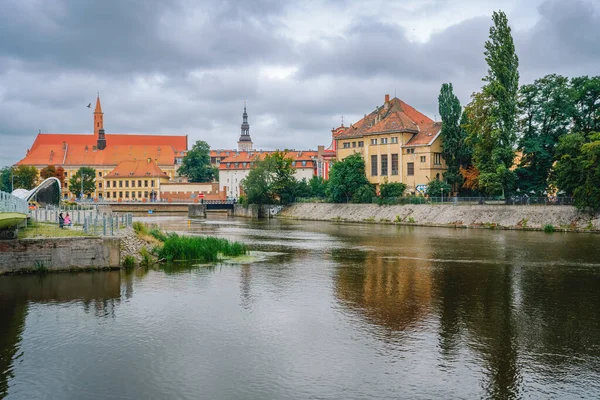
(59, 254)
(492, 216)
(256, 211)
(249, 211)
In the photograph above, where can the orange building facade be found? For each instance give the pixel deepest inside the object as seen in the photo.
(108, 154)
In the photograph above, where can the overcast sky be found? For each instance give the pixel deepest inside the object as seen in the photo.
(186, 66)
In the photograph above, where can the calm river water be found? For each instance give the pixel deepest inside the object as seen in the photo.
(331, 311)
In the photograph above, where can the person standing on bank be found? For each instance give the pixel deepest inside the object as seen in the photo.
(61, 220)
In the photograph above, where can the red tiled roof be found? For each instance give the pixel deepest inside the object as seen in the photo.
(248, 157)
(87, 155)
(136, 169)
(49, 149)
(394, 116)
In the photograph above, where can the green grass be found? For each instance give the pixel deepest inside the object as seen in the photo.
(206, 249)
(140, 227)
(129, 262)
(146, 258)
(548, 228)
(42, 229)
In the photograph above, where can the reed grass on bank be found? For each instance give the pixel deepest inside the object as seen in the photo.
(205, 249)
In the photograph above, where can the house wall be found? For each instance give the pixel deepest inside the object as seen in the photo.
(423, 171)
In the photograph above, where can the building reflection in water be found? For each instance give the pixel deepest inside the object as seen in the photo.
(98, 292)
(394, 293)
(504, 311)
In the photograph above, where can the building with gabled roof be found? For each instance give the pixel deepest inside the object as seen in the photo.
(398, 144)
(104, 152)
(235, 168)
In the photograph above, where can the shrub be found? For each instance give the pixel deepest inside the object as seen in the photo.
(435, 188)
(364, 194)
(388, 190)
(548, 228)
(128, 262)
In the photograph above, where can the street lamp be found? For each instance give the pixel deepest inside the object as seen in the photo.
(82, 176)
(442, 195)
(12, 179)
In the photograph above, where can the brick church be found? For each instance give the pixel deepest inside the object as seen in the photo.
(141, 162)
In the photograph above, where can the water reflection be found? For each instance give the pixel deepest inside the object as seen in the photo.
(365, 311)
(98, 294)
(392, 293)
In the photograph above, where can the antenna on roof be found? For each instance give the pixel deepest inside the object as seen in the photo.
(342, 120)
(394, 92)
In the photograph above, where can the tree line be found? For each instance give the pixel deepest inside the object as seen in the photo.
(551, 124)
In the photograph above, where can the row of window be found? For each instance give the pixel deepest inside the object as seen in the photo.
(410, 167)
(360, 143)
(384, 140)
(139, 183)
(132, 194)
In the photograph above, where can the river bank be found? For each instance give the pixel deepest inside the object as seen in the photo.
(561, 218)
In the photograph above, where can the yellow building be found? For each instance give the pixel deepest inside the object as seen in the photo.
(398, 144)
(134, 181)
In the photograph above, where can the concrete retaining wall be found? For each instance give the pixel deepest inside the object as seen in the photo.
(250, 211)
(59, 254)
(499, 216)
(196, 211)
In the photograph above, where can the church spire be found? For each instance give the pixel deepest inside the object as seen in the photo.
(98, 117)
(245, 142)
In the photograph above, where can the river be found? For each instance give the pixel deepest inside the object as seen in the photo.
(328, 311)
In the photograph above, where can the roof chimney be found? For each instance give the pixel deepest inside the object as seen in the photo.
(387, 98)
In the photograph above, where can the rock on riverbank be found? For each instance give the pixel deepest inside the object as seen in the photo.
(486, 216)
(132, 244)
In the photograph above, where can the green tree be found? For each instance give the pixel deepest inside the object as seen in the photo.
(6, 179)
(587, 195)
(453, 135)
(437, 188)
(364, 194)
(303, 189)
(271, 181)
(567, 175)
(196, 163)
(345, 178)
(586, 99)
(492, 113)
(318, 187)
(392, 189)
(25, 177)
(546, 112)
(283, 185)
(257, 185)
(89, 181)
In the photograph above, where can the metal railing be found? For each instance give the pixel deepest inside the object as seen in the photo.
(10, 203)
(458, 201)
(88, 221)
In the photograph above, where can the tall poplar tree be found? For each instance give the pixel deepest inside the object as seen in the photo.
(494, 144)
(452, 135)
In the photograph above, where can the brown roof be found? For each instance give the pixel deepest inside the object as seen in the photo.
(136, 169)
(394, 116)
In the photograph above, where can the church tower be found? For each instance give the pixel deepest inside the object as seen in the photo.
(98, 118)
(245, 143)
